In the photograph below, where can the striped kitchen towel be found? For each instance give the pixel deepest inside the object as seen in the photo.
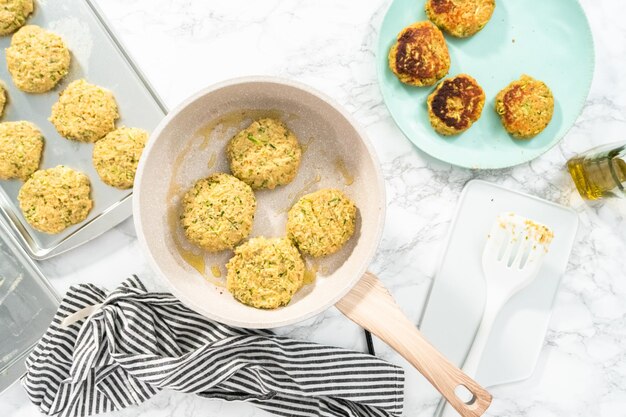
(106, 352)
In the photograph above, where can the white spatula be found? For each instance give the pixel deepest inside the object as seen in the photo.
(511, 259)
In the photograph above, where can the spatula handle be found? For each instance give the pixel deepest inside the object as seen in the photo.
(370, 305)
(475, 354)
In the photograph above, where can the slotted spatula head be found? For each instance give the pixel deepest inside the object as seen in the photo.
(514, 252)
(512, 258)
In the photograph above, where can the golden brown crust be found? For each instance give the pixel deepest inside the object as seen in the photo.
(455, 104)
(420, 56)
(460, 18)
(525, 107)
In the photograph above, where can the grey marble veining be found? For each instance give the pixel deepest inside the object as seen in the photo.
(183, 45)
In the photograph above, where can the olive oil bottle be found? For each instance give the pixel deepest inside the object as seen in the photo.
(600, 172)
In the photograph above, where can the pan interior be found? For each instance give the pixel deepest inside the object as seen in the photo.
(190, 144)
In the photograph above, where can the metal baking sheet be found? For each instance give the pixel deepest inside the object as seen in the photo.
(98, 57)
(27, 306)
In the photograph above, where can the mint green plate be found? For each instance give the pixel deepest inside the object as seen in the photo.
(546, 39)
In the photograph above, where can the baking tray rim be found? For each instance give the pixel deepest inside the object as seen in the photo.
(17, 229)
(24, 259)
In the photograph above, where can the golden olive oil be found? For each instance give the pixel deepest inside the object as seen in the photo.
(600, 173)
(310, 274)
(348, 178)
(216, 271)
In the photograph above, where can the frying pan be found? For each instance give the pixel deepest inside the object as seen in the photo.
(189, 144)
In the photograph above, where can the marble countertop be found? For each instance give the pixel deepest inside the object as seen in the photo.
(183, 45)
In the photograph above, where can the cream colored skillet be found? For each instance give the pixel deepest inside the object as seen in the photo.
(189, 144)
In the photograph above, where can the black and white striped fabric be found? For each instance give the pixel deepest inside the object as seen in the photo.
(136, 343)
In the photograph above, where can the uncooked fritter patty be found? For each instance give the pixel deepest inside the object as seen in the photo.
(265, 273)
(218, 212)
(37, 59)
(84, 112)
(525, 107)
(56, 198)
(460, 18)
(455, 104)
(13, 14)
(320, 223)
(265, 154)
(21, 144)
(420, 56)
(116, 156)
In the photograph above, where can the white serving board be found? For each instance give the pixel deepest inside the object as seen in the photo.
(455, 304)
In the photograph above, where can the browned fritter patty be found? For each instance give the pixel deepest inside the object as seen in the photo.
(455, 104)
(460, 18)
(525, 107)
(420, 56)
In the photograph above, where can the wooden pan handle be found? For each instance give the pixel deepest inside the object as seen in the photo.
(370, 305)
